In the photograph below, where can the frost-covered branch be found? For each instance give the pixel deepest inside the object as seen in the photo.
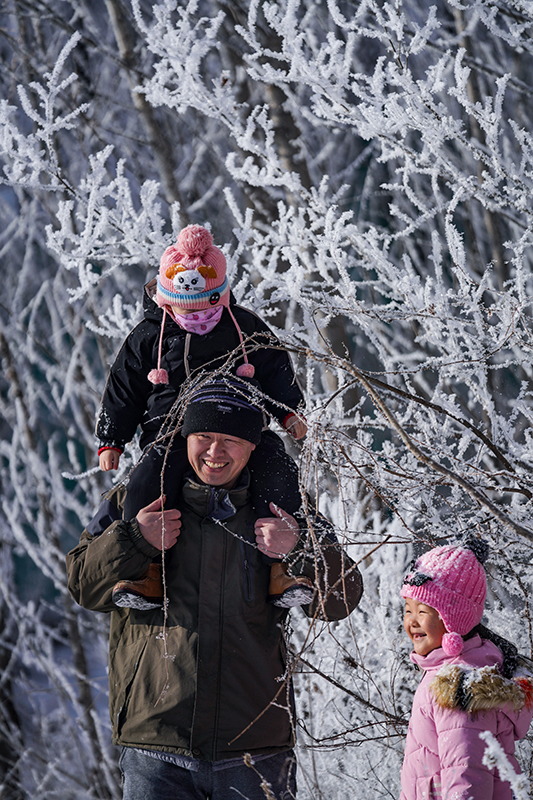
(495, 757)
(368, 171)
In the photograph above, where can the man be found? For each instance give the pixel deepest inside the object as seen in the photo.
(193, 691)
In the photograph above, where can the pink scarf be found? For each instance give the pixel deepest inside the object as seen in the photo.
(200, 322)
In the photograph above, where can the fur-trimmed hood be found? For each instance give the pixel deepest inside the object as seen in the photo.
(468, 689)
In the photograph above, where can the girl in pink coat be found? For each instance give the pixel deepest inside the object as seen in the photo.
(469, 684)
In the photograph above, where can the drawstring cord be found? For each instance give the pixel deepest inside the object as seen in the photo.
(159, 375)
(246, 370)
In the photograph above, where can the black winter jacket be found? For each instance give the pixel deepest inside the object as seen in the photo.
(130, 399)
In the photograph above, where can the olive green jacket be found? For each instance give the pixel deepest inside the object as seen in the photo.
(209, 684)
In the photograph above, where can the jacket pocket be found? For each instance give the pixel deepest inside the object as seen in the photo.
(124, 670)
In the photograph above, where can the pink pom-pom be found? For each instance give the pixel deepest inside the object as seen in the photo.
(194, 240)
(158, 376)
(246, 371)
(452, 644)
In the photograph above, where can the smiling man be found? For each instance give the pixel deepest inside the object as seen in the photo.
(222, 425)
(218, 459)
(193, 692)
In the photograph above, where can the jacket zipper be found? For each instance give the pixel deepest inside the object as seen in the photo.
(220, 633)
(247, 574)
(248, 581)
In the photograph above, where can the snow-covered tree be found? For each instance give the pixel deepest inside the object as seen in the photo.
(368, 170)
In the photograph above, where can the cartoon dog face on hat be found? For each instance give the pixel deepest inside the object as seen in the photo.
(189, 281)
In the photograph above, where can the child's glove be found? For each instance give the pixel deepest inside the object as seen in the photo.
(296, 426)
(109, 458)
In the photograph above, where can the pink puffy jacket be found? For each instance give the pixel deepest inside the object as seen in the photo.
(443, 751)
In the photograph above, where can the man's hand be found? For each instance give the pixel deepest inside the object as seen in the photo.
(150, 521)
(276, 536)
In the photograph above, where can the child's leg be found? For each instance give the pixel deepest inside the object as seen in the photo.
(274, 479)
(286, 590)
(144, 486)
(143, 594)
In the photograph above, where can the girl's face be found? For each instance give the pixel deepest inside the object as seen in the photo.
(183, 311)
(423, 626)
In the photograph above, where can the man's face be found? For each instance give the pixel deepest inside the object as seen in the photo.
(218, 459)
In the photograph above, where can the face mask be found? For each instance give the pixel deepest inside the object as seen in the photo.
(200, 322)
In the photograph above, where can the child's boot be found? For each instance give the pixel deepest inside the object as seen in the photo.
(287, 591)
(144, 594)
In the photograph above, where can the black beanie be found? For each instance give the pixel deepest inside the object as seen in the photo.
(227, 405)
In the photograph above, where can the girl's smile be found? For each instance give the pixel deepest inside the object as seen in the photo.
(423, 626)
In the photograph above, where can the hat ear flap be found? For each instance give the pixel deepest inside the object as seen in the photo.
(207, 271)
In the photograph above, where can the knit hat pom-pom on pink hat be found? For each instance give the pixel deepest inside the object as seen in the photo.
(194, 240)
(452, 644)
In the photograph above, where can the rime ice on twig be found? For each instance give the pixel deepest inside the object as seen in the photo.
(368, 169)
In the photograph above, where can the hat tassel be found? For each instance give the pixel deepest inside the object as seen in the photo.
(159, 375)
(245, 370)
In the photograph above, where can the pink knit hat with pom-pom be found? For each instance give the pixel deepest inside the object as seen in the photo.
(192, 276)
(451, 579)
(192, 272)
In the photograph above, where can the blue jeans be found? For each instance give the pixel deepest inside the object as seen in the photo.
(148, 778)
